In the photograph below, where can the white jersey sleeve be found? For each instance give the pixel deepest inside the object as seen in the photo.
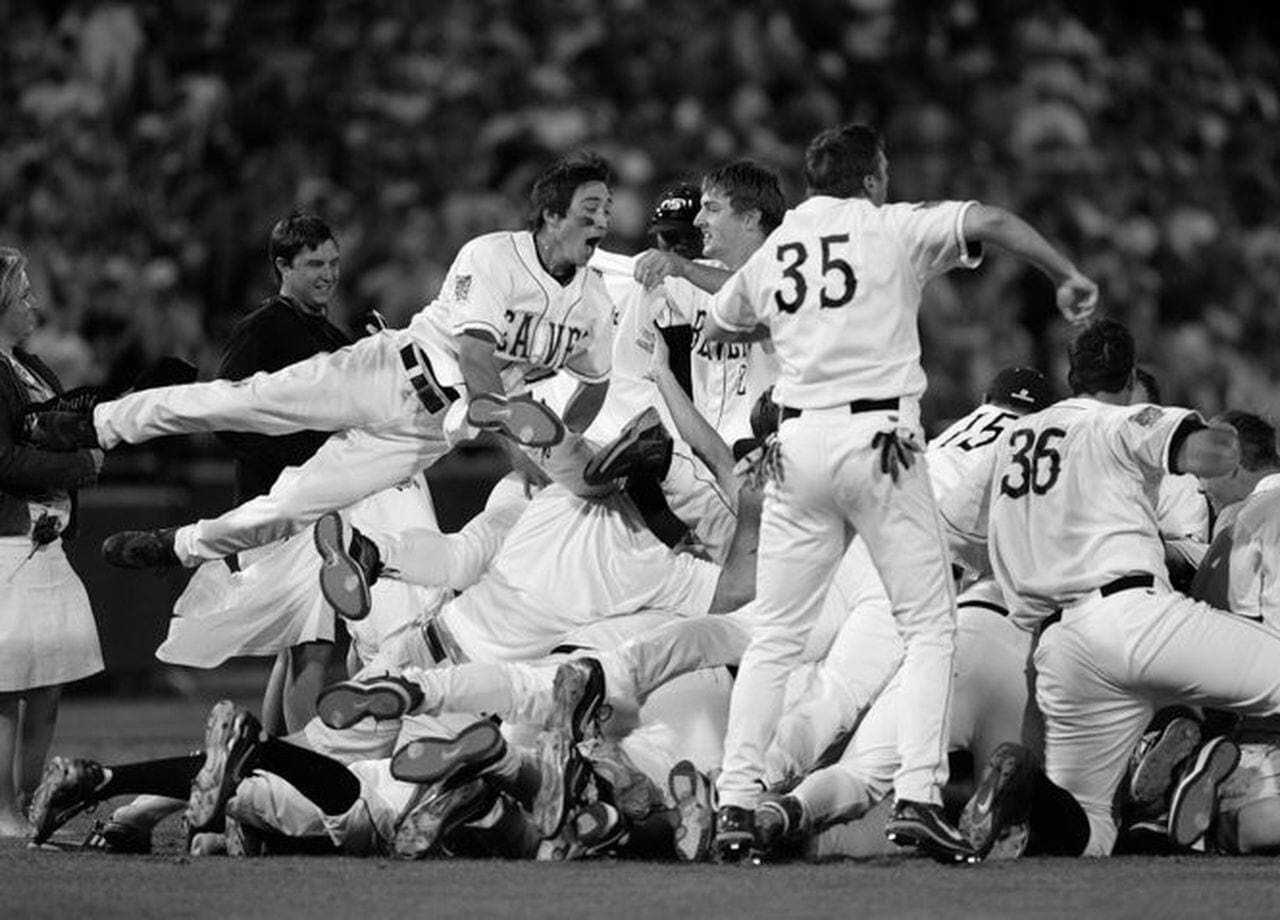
(933, 234)
(478, 289)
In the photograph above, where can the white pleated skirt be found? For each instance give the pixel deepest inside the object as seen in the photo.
(47, 632)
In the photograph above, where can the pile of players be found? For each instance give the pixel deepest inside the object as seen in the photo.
(720, 470)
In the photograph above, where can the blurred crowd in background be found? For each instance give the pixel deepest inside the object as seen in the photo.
(146, 149)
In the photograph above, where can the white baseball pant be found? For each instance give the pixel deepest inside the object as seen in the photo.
(1113, 661)
(385, 434)
(832, 487)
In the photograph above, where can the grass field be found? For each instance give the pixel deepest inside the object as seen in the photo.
(71, 884)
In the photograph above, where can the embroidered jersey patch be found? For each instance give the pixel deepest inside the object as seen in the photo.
(461, 287)
(1147, 417)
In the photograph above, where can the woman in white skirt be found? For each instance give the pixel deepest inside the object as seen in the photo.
(47, 632)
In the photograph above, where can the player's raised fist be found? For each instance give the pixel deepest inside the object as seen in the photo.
(1077, 297)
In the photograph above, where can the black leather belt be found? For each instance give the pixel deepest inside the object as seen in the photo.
(434, 396)
(858, 405)
(983, 605)
(1123, 583)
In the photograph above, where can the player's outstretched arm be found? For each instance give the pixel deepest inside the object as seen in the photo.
(1077, 295)
(654, 265)
(479, 365)
(690, 423)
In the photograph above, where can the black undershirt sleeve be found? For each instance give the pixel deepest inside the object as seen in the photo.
(1189, 426)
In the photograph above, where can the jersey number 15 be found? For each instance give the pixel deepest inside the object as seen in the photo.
(839, 283)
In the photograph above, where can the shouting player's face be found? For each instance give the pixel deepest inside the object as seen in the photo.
(312, 276)
(572, 239)
(726, 233)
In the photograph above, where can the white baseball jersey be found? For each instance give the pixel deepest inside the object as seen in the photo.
(960, 461)
(838, 284)
(1073, 501)
(727, 377)
(567, 562)
(498, 286)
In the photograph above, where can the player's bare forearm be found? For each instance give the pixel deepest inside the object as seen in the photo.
(653, 266)
(693, 428)
(584, 405)
(987, 224)
(737, 583)
(479, 365)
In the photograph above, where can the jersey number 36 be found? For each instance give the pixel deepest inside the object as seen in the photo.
(839, 283)
(1035, 464)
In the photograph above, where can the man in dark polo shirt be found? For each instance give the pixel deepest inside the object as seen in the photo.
(287, 327)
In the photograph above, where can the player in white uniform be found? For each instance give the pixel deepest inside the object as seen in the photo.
(837, 287)
(1076, 550)
(514, 304)
(741, 204)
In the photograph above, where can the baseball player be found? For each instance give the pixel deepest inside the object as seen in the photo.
(837, 287)
(1075, 547)
(513, 304)
(741, 204)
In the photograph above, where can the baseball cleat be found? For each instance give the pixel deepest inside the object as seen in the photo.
(922, 825)
(643, 443)
(207, 843)
(1156, 767)
(117, 836)
(346, 570)
(231, 739)
(735, 839)
(590, 830)
(577, 697)
(779, 819)
(523, 419)
(998, 813)
(345, 703)
(1195, 799)
(564, 775)
(142, 549)
(423, 830)
(66, 789)
(60, 430)
(450, 761)
(694, 798)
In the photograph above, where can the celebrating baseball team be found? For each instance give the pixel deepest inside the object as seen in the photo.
(730, 604)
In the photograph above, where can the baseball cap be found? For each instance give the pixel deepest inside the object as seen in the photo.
(677, 206)
(1020, 388)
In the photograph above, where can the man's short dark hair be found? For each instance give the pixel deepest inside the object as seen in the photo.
(765, 415)
(1101, 358)
(553, 189)
(748, 184)
(294, 234)
(838, 159)
(1257, 439)
(1150, 384)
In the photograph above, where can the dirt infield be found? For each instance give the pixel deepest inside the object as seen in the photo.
(67, 884)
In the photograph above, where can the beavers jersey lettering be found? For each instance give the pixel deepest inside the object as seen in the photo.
(727, 377)
(498, 287)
